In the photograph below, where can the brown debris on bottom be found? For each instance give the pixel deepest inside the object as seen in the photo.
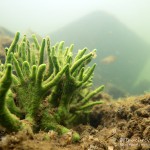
(119, 125)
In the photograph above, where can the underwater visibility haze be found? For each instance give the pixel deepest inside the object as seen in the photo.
(118, 30)
(74, 75)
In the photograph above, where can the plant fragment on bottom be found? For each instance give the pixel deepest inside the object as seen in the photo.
(51, 87)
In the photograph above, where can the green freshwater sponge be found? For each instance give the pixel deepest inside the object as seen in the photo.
(45, 87)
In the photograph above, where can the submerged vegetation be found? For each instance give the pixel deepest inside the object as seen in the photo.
(44, 87)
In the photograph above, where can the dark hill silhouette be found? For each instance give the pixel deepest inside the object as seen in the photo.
(5, 32)
(5, 41)
(109, 36)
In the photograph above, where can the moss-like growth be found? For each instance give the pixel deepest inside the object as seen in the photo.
(50, 86)
(7, 119)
